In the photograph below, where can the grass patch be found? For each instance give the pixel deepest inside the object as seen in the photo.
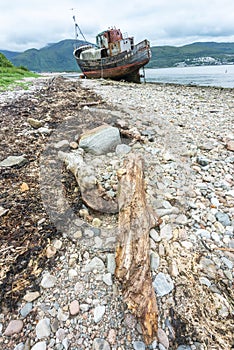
(11, 76)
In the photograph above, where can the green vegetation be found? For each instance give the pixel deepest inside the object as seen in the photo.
(56, 57)
(11, 76)
(193, 54)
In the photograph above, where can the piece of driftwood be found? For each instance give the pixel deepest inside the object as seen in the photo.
(92, 193)
(136, 219)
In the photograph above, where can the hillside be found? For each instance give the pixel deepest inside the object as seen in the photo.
(58, 57)
(11, 75)
(193, 54)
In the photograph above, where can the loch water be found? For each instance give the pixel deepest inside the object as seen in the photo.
(218, 76)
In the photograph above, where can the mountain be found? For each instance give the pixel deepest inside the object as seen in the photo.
(58, 57)
(196, 54)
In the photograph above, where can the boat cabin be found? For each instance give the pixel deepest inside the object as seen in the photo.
(113, 42)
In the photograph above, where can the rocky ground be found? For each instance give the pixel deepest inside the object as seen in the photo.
(58, 289)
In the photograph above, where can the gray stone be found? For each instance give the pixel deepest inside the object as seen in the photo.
(20, 346)
(154, 235)
(14, 327)
(154, 261)
(122, 149)
(35, 123)
(13, 161)
(26, 309)
(163, 338)
(138, 345)
(107, 279)
(39, 346)
(98, 313)
(100, 140)
(43, 328)
(65, 343)
(166, 232)
(60, 334)
(44, 131)
(48, 281)
(184, 347)
(95, 264)
(223, 218)
(100, 344)
(63, 144)
(111, 263)
(163, 284)
(31, 296)
(62, 315)
(227, 262)
(202, 161)
(205, 281)
(84, 307)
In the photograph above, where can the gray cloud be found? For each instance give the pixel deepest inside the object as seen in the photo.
(25, 24)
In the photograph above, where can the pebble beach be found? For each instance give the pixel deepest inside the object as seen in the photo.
(185, 135)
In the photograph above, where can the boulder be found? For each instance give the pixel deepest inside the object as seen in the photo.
(100, 140)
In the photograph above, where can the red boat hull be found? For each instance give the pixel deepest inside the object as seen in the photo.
(123, 66)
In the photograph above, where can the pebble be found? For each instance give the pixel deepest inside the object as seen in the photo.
(26, 309)
(107, 279)
(122, 149)
(43, 329)
(14, 327)
(166, 232)
(74, 307)
(98, 313)
(39, 346)
(138, 345)
(31, 296)
(95, 264)
(100, 344)
(163, 338)
(163, 284)
(223, 219)
(48, 281)
(13, 161)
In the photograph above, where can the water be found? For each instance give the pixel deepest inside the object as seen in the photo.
(220, 76)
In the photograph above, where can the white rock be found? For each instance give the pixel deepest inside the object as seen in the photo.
(48, 281)
(111, 263)
(163, 284)
(62, 315)
(154, 235)
(107, 279)
(154, 260)
(95, 264)
(98, 313)
(39, 346)
(166, 232)
(72, 273)
(43, 328)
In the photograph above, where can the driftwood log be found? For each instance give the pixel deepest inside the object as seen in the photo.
(136, 219)
(92, 193)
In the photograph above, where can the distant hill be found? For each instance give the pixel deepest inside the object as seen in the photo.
(196, 54)
(58, 57)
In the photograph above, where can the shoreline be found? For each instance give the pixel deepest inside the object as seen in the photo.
(188, 171)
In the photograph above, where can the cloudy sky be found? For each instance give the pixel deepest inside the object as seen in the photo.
(26, 24)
